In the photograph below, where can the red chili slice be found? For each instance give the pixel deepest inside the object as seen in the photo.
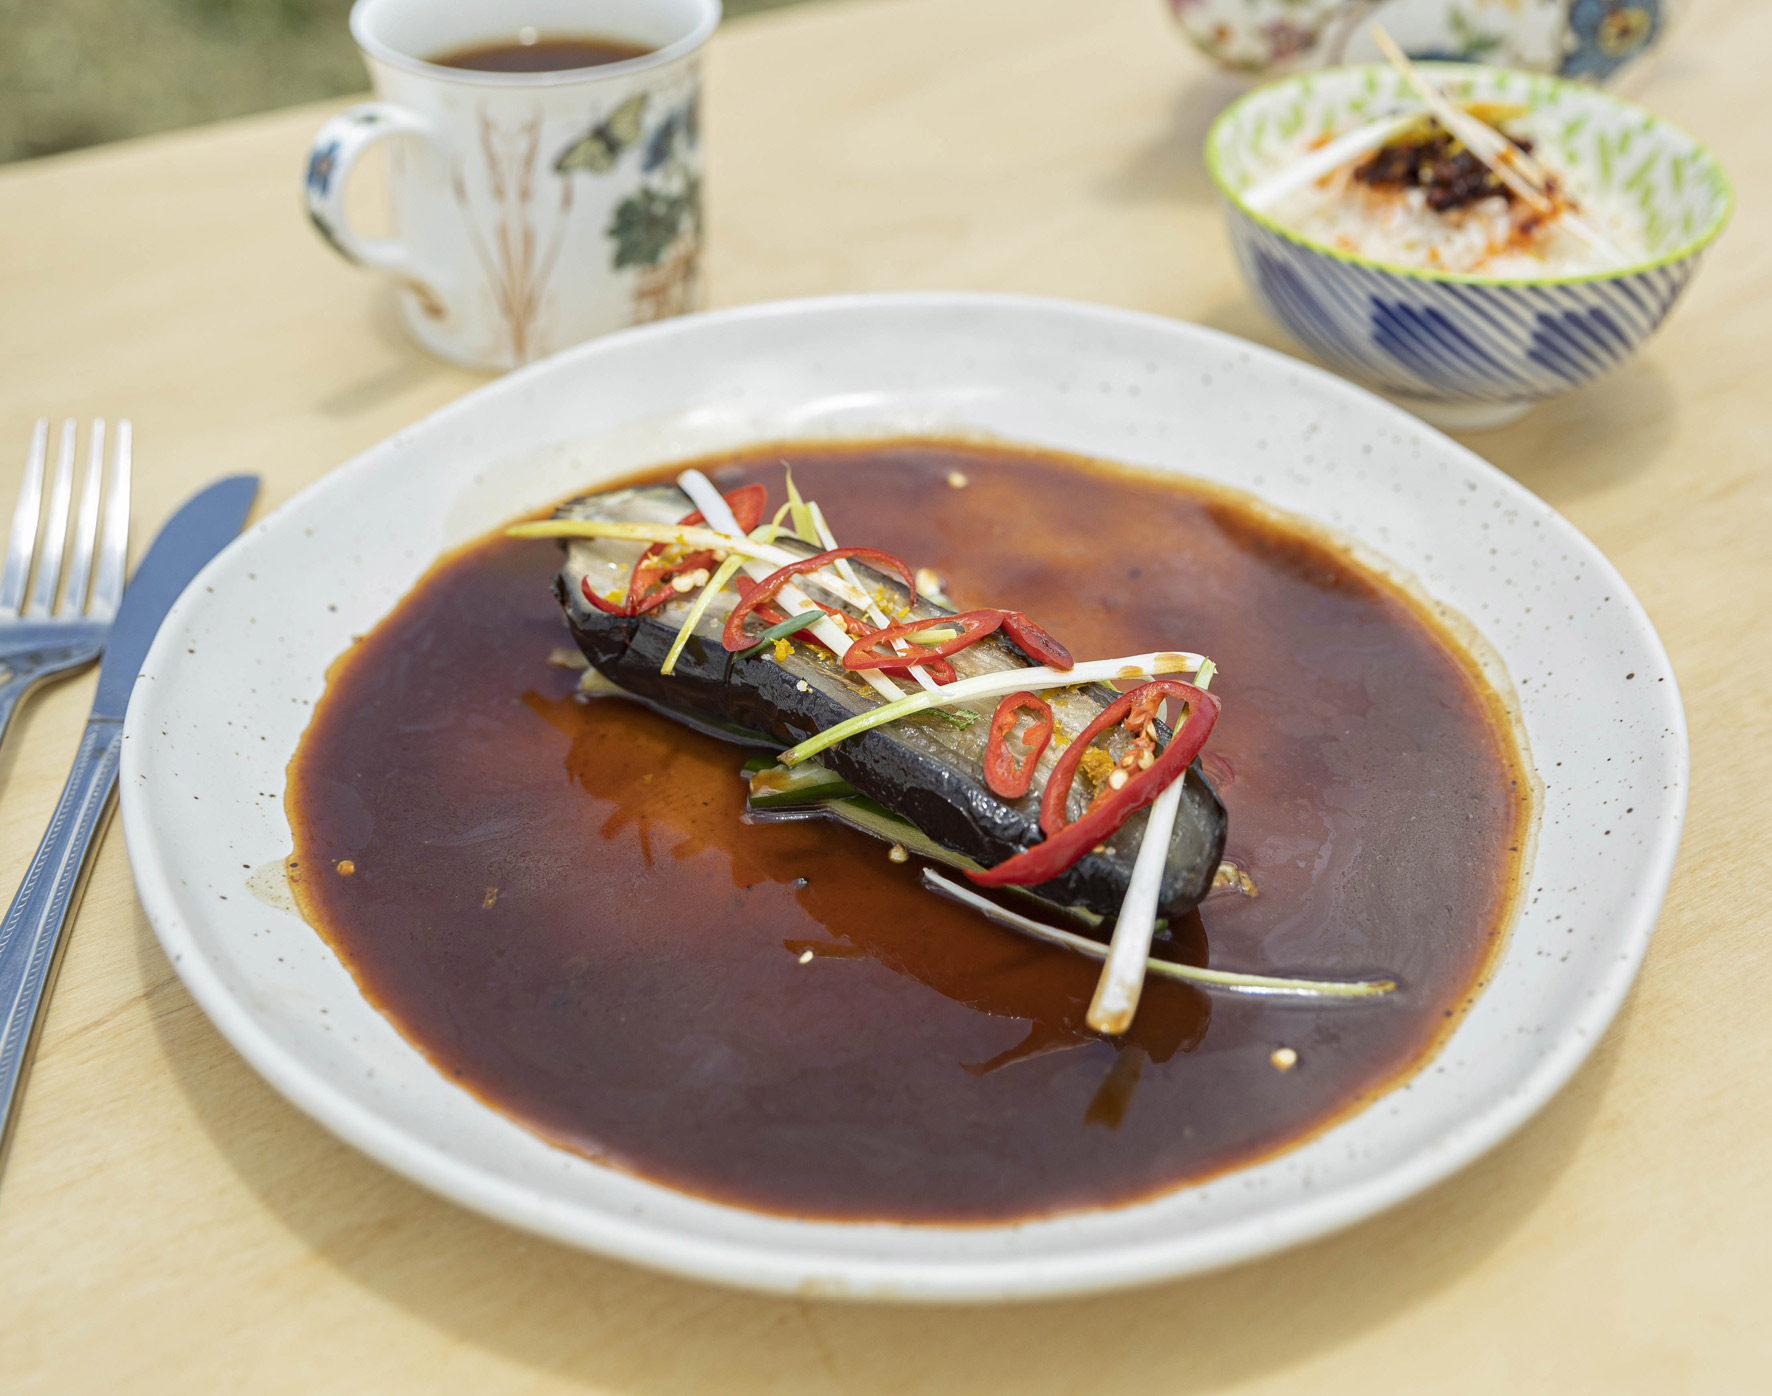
(1000, 771)
(1065, 844)
(608, 608)
(974, 625)
(1144, 698)
(771, 615)
(734, 638)
(747, 506)
(1144, 711)
(1036, 642)
(764, 612)
(938, 669)
(746, 503)
(649, 590)
(847, 623)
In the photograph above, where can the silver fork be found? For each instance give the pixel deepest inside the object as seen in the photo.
(38, 637)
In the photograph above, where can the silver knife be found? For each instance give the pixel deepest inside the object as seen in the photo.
(32, 936)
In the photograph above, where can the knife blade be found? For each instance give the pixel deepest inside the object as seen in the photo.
(32, 935)
(206, 523)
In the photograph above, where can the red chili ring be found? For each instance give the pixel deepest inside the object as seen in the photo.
(771, 615)
(1142, 713)
(1001, 773)
(1036, 642)
(974, 626)
(747, 505)
(608, 608)
(938, 669)
(1058, 786)
(1068, 845)
(733, 636)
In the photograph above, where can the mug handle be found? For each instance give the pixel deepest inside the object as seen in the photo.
(337, 147)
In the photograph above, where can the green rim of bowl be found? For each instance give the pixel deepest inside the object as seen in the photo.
(1688, 249)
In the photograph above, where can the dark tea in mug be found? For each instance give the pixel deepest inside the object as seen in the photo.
(532, 53)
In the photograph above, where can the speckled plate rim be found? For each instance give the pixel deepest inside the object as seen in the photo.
(1411, 1138)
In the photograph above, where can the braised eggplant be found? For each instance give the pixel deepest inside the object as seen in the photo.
(925, 768)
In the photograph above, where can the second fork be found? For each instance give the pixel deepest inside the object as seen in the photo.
(40, 636)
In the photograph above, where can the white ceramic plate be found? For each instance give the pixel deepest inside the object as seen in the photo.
(231, 680)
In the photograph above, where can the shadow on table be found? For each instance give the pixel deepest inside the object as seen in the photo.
(601, 1323)
(1583, 442)
(1171, 166)
(409, 367)
(1589, 440)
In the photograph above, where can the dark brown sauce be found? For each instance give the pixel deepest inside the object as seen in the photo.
(543, 56)
(556, 901)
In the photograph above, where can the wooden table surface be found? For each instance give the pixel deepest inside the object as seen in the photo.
(168, 1223)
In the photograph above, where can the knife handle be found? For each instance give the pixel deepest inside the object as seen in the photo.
(31, 937)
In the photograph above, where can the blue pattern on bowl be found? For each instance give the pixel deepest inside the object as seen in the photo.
(1469, 350)
(1453, 341)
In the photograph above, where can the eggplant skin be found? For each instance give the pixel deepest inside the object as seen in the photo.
(768, 704)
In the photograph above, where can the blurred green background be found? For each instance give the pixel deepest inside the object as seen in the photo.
(78, 72)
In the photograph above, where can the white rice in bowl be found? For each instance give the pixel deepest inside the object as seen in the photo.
(1490, 237)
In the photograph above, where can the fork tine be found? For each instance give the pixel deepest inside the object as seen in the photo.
(86, 523)
(24, 523)
(55, 526)
(113, 547)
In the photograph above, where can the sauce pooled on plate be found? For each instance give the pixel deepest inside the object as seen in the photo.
(556, 901)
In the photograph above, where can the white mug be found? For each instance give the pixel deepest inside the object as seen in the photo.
(531, 210)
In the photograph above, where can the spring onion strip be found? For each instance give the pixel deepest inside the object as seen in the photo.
(1264, 984)
(875, 614)
(774, 528)
(1512, 166)
(1265, 193)
(722, 575)
(713, 508)
(686, 536)
(765, 533)
(828, 541)
(779, 631)
(1122, 975)
(1033, 679)
(803, 524)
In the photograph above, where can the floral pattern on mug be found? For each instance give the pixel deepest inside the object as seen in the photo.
(531, 209)
(656, 230)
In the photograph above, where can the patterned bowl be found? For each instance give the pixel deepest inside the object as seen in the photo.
(1467, 351)
(1595, 40)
